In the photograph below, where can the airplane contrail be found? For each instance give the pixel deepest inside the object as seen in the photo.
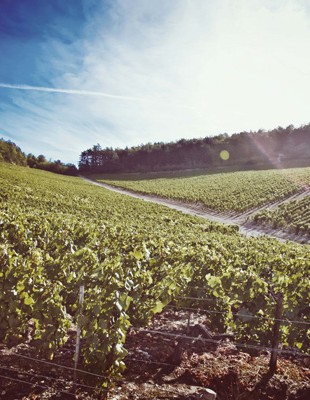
(87, 93)
(67, 91)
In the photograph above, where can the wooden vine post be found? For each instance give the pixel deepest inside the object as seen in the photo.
(78, 332)
(276, 334)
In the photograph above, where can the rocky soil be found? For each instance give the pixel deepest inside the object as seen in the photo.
(176, 363)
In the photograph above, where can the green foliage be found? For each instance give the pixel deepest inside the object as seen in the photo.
(234, 191)
(239, 277)
(277, 148)
(11, 153)
(134, 258)
(57, 167)
(293, 216)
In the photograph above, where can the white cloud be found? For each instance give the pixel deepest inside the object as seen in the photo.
(192, 68)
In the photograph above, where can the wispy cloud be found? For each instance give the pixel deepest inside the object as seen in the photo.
(158, 71)
(85, 93)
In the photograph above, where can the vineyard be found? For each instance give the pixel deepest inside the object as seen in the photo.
(135, 259)
(223, 192)
(293, 216)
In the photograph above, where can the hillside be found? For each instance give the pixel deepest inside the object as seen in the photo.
(273, 202)
(291, 216)
(12, 154)
(233, 192)
(134, 260)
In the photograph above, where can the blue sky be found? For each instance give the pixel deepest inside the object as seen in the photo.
(74, 73)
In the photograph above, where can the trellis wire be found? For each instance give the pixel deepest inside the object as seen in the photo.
(237, 314)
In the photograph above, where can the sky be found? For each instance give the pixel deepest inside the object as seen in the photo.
(74, 73)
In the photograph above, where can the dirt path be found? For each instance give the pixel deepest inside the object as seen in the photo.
(235, 219)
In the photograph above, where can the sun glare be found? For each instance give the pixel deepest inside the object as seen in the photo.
(224, 155)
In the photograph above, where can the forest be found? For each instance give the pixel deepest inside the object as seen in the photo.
(11, 153)
(277, 148)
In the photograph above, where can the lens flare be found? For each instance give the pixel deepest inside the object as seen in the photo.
(224, 155)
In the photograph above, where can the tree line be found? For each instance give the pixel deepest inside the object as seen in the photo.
(11, 153)
(280, 147)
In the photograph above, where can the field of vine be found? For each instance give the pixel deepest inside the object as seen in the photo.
(222, 192)
(293, 216)
(133, 258)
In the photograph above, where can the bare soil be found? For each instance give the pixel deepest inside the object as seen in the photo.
(165, 364)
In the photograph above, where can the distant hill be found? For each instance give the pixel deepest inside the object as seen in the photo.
(11, 153)
(277, 148)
